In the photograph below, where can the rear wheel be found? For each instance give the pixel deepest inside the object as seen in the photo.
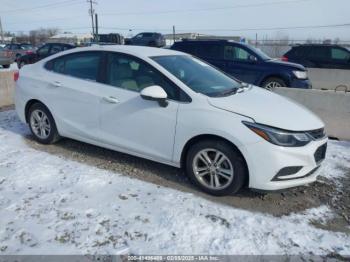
(273, 82)
(216, 167)
(42, 124)
(6, 66)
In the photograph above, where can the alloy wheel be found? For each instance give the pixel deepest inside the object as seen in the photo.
(213, 169)
(40, 124)
(272, 85)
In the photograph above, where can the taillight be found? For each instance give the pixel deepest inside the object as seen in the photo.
(284, 58)
(16, 75)
(8, 53)
(29, 52)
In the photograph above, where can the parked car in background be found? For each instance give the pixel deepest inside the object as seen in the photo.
(175, 109)
(319, 56)
(6, 57)
(246, 63)
(111, 38)
(147, 39)
(20, 49)
(11, 52)
(44, 51)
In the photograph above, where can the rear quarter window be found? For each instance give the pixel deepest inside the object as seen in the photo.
(188, 48)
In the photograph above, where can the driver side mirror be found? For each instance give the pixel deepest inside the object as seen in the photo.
(252, 58)
(155, 93)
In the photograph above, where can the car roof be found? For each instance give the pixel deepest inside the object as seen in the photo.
(319, 45)
(140, 51)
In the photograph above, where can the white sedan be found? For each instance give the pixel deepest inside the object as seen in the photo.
(172, 108)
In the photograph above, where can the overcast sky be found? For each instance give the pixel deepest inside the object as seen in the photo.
(219, 17)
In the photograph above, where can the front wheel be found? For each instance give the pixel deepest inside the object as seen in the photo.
(42, 124)
(273, 82)
(216, 167)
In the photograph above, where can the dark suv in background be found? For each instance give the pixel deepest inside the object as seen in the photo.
(147, 39)
(44, 51)
(246, 63)
(319, 56)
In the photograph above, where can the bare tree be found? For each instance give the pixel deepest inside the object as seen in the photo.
(280, 44)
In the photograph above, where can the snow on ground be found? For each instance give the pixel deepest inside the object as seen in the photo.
(52, 205)
(13, 67)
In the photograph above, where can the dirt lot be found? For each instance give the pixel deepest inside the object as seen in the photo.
(324, 191)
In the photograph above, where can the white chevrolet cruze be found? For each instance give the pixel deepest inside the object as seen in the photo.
(173, 108)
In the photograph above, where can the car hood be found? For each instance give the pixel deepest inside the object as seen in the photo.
(279, 63)
(268, 108)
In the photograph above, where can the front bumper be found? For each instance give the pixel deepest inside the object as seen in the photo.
(265, 161)
(301, 83)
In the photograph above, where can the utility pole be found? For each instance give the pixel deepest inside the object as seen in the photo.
(92, 12)
(174, 33)
(1, 32)
(256, 40)
(96, 29)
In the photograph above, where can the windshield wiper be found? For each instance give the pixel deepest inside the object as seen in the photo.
(228, 92)
(243, 87)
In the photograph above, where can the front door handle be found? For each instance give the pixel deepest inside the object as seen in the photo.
(110, 99)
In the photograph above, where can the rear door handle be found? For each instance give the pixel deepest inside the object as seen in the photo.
(57, 84)
(110, 99)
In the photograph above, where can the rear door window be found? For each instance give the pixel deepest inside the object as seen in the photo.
(210, 50)
(83, 65)
(319, 53)
(188, 48)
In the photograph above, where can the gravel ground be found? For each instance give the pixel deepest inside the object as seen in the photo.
(324, 191)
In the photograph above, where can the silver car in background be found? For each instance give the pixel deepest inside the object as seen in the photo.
(11, 52)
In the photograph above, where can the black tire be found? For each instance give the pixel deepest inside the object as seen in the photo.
(53, 135)
(239, 168)
(6, 66)
(267, 83)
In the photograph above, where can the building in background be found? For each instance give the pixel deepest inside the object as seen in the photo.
(70, 38)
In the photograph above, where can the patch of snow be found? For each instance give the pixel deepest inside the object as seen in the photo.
(12, 67)
(337, 160)
(52, 205)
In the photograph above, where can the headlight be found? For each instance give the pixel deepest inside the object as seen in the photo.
(278, 136)
(300, 74)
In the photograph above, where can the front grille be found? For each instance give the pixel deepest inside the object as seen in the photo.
(320, 153)
(317, 134)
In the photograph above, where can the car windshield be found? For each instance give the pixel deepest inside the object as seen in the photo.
(198, 75)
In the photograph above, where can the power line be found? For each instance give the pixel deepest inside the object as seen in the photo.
(42, 6)
(235, 30)
(206, 29)
(206, 9)
(273, 28)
